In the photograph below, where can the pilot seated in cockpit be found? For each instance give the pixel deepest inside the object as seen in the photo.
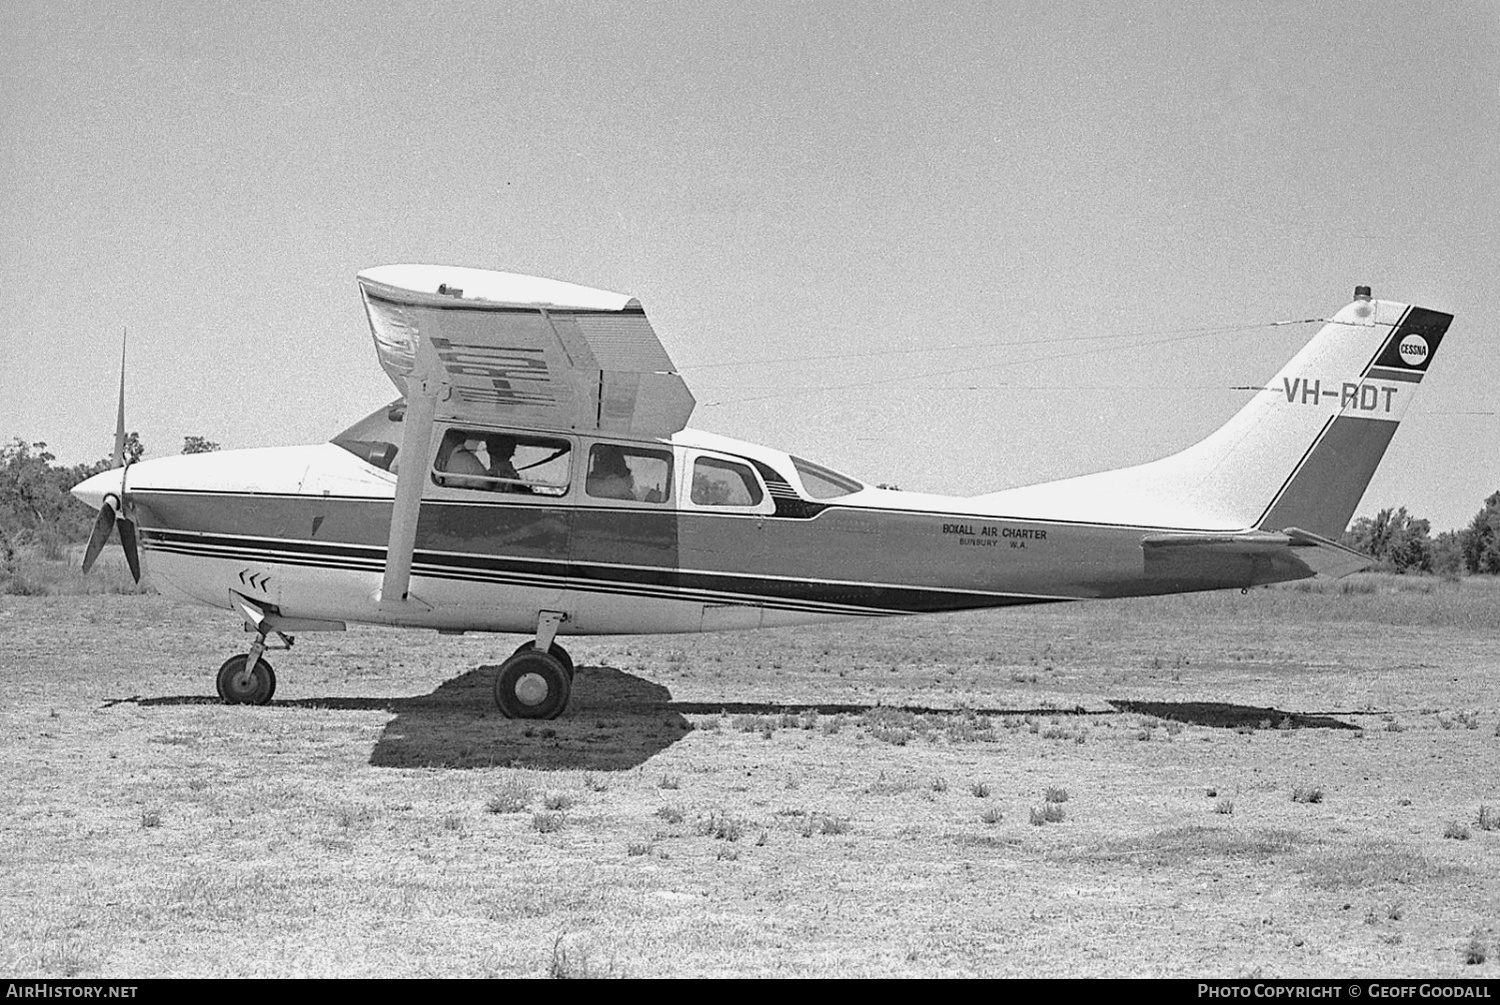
(465, 470)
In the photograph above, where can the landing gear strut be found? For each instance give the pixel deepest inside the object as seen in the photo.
(537, 680)
(247, 679)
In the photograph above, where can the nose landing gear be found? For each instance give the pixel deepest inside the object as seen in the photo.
(247, 679)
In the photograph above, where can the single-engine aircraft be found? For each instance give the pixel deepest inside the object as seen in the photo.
(537, 476)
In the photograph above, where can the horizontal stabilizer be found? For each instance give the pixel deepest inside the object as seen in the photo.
(1248, 543)
(1265, 556)
(1325, 557)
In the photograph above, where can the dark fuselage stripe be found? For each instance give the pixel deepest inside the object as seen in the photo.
(823, 596)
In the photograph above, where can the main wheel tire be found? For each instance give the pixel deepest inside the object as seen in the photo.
(262, 682)
(558, 652)
(533, 685)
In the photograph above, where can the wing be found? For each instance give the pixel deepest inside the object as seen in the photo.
(503, 349)
(506, 349)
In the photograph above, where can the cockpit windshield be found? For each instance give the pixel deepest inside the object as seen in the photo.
(376, 439)
(824, 483)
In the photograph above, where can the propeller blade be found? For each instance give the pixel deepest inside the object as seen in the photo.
(103, 524)
(120, 414)
(127, 541)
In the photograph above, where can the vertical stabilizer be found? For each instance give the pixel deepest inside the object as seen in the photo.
(1359, 414)
(1300, 454)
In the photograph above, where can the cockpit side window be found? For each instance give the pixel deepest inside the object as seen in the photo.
(718, 482)
(635, 474)
(376, 439)
(503, 462)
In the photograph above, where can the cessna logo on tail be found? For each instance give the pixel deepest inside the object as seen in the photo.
(1363, 397)
(1413, 350)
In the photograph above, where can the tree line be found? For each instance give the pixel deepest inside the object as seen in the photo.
(37, 509)
(35, 505)
(1400, 542)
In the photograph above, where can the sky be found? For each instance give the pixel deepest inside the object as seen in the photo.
(954, 247)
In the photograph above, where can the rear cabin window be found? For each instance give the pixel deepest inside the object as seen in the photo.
(635, 474)
(824, 483)
(724, 483)
(503, 462)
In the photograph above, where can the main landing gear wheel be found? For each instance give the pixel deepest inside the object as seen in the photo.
(240, 688)
(556, 650)
(533, 685)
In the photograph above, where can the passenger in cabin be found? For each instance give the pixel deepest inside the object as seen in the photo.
(609, 475)
(464, 461)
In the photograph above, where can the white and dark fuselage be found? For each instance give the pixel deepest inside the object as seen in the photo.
(304, 530)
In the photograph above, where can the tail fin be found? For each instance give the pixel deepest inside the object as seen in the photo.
(1357, 411)
(1299, 455)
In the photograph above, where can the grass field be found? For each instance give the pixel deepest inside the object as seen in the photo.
(1289, 782)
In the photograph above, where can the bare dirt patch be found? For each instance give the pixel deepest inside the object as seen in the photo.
(853, 799)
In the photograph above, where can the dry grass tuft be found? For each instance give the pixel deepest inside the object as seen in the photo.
(884, 786)
(894, 735)
(721, 826)
(1489, 818)
(1047, 813)
(575, 964)
(548, 822)
(1477, 951)
(824, 823)
(513, 796)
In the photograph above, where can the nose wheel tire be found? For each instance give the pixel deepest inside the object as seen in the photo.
(533, 685)
(240, 688)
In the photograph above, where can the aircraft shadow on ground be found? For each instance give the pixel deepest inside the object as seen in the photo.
(615, 721)
(833, 708)
(618, 721)
(1226, 716)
